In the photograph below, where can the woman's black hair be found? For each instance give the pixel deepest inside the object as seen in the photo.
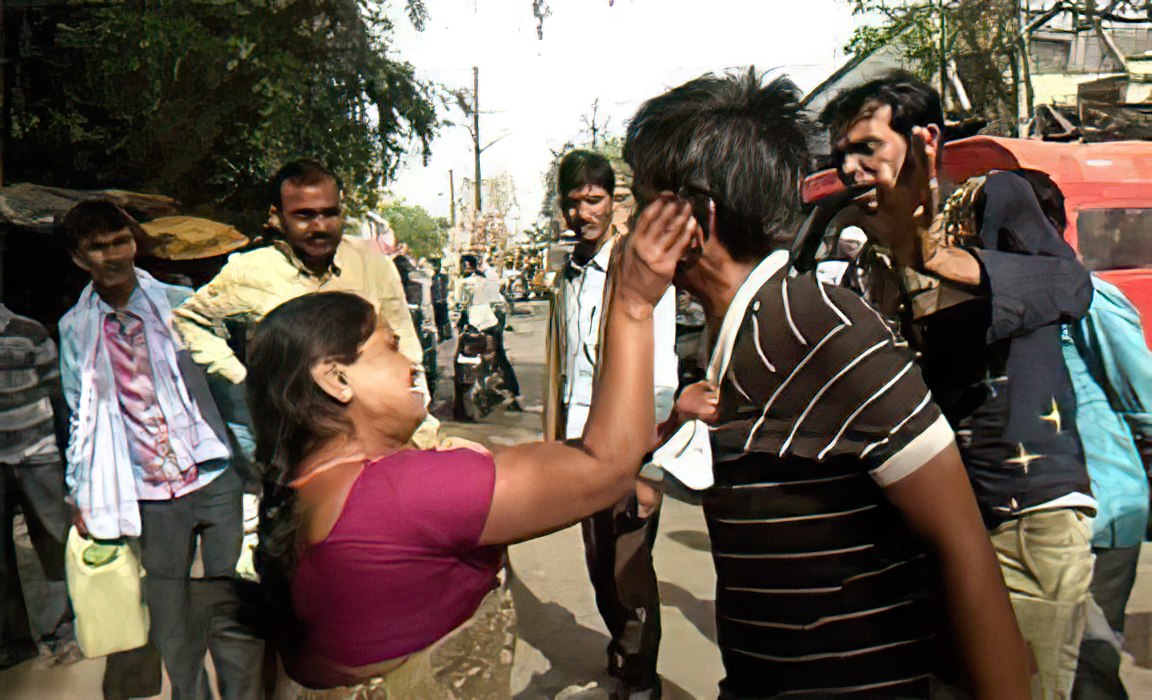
(1050, 197)
(292, 416)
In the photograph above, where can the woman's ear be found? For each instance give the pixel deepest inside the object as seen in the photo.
(330, 377)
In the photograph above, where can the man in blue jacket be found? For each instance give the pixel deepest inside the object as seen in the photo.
(1111, 371)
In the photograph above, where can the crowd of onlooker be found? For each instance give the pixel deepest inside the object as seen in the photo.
(934, 486)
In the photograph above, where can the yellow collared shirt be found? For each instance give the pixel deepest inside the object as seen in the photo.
(252, 284)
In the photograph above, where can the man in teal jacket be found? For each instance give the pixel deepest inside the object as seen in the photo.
(1111, 370)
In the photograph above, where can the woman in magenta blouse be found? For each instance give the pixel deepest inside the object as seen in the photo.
(373, 550)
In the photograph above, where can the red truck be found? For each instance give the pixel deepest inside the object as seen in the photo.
(1108, 201)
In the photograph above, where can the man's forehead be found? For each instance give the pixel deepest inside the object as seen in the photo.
(586, 191)
(873, 117)
(325, 189)
(105, 237)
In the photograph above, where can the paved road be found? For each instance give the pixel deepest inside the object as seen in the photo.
(562, 639)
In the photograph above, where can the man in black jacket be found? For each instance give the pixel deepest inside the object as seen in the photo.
(987, 284)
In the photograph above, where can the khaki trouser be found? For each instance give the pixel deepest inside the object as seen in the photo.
(412, 679)
(1046, 558)
(474, 662)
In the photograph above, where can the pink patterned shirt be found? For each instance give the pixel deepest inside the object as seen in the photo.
(165, 468)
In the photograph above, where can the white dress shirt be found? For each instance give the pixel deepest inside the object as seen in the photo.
(584, 302)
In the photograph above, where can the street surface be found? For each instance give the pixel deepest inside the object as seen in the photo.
(561, 651)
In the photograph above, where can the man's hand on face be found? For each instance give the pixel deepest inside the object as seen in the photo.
(913, 197)
(662, 234)
(904, 214)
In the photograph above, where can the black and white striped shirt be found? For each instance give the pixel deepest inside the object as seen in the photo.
(821, 589)
(29, 391)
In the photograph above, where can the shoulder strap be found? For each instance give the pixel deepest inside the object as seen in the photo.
(319, 469)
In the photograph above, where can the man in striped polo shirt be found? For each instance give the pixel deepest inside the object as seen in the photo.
(849, 550)
(31, 477)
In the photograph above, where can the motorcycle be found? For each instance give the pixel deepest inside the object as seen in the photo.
(479, 380)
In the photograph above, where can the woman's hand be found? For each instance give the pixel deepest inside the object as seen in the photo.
(651, 252)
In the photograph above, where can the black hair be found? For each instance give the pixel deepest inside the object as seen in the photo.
(913, 103)
(93, 217)
(1049, 196)
(580, 168)
(739, 142)
(292, 417)
(302, 171)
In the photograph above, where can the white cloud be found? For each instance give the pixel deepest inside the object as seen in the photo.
(536, 91)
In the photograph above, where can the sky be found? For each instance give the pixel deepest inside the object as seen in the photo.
(534, 93)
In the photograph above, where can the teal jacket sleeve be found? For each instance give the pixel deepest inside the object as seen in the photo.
(1113, 346)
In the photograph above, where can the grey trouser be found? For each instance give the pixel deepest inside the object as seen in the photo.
(37, 488)
(192, 617)
(1098, 674)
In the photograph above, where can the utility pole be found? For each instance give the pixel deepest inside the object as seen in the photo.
(476, 136)
(452, 196)
(592, 125)
(1023, 87)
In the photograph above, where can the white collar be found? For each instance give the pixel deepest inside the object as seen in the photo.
(604, 255)
(734, 316)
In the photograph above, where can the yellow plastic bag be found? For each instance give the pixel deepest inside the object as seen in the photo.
(108, 597)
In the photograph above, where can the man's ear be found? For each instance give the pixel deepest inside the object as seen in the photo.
(706, 233)
(330, 377)
(79, 261)
(274, 218)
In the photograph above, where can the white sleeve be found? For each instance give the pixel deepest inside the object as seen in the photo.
(666, 364)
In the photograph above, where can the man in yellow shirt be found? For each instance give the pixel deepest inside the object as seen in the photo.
(311, 256)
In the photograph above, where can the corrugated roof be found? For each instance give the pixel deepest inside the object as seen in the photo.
(38, 208)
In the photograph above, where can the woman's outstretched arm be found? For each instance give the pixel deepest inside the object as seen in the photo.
(543, 486)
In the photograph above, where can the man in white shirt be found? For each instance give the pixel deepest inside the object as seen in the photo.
(618, 541)
(481, 307)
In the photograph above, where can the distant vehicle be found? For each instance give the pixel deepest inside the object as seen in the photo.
(479, 381)
(1108, 202)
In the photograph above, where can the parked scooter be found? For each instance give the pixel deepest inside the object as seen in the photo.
(479, 380)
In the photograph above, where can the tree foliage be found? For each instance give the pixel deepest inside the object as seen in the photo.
(203, 99)
(985, 39)
(981, 36)
(424, 234)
